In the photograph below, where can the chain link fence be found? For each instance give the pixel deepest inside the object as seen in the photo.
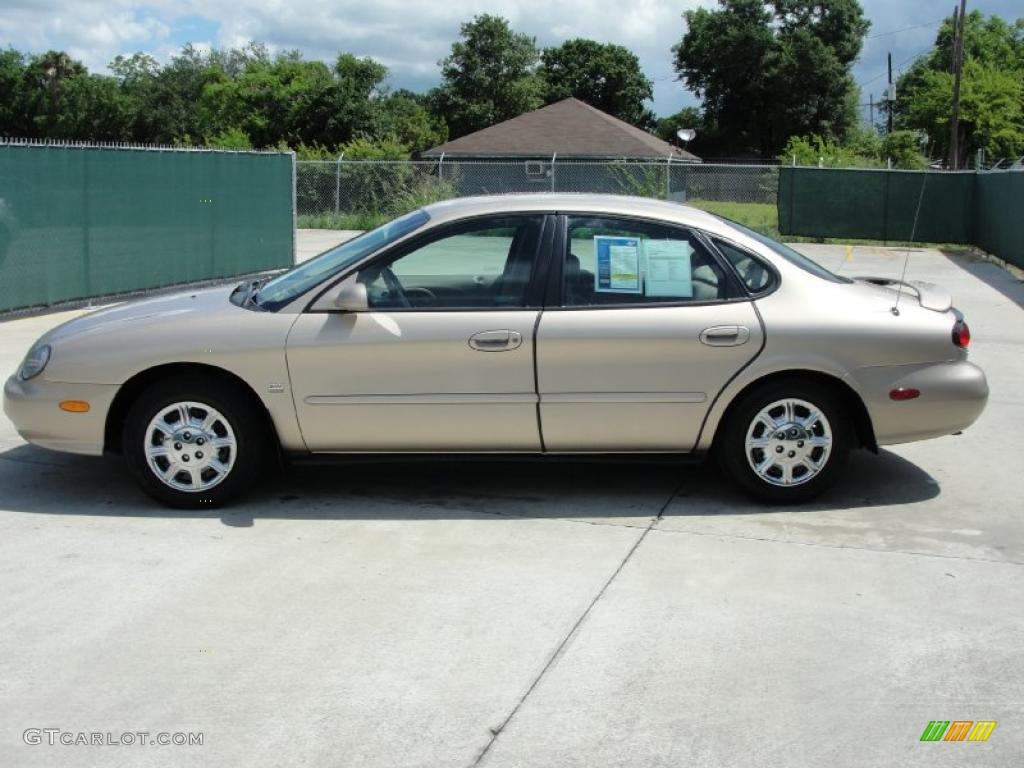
(352, 193)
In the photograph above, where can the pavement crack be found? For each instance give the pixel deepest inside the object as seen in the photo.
(573, 631)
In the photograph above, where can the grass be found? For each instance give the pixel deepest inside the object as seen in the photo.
(360, 221)
(762, 217)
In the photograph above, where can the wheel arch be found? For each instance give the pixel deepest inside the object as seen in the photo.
(137, 384)
(863, 428)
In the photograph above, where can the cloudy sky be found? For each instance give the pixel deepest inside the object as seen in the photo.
(409, 36)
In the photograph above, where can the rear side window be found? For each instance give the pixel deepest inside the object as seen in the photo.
(790, 255)
(611, 260)
(753, 273)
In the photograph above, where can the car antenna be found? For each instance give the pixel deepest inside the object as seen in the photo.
(913, 231)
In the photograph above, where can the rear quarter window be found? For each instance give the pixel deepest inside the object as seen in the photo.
(753, 272)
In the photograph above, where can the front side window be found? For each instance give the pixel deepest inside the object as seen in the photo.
(483, 264)
(627, 261)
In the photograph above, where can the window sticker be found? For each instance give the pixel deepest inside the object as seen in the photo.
(667, 268)
(617, 264)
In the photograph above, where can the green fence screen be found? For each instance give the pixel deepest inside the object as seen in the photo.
(78, 222)
(999, 214)
(983, 209)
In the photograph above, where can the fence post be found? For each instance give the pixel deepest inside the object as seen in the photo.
(440, 167)
(553, 171)
(337, 185)
(668, 177)
(86, 215)
(885, 209)
(295, 207)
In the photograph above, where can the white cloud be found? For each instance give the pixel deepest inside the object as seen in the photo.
(409, 36)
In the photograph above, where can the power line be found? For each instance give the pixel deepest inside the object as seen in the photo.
(897, 68)
(905, 29)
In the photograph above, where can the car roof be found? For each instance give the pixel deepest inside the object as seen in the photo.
(560, 202)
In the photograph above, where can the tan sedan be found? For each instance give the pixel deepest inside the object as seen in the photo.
(540, 324)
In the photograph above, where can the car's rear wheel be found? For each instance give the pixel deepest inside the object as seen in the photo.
(786, 441)
(194, 442)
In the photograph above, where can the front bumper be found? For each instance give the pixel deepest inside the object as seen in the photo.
(34, 408)
(953, 395)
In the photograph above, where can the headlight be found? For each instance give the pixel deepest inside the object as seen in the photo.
(35, 361)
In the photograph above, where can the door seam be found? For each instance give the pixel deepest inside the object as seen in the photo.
(536, 379)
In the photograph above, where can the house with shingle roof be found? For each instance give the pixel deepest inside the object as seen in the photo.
(567, 129)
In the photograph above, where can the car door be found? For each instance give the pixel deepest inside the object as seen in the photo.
(442, 360)
(647, 327)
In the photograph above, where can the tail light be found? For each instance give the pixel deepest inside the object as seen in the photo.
(961, 334)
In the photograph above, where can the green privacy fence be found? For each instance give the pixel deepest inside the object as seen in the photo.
(999, 214)
(79, 222)
(979, 208)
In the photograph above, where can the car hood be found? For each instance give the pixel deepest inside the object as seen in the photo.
(193, 327)
(155, 309)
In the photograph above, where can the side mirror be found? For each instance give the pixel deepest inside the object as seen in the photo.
(347, 296)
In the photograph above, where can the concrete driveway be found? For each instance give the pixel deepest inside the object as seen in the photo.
(516, 614)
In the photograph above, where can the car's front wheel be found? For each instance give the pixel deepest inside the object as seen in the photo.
(786, 441)
(194, 442)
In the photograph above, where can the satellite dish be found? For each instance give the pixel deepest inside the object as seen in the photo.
(686, 134)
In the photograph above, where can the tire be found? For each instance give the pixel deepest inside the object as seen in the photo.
(816, 438)
(219, 452)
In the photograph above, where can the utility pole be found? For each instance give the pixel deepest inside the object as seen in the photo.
(890, 102)
(958, 66)
(871, 111)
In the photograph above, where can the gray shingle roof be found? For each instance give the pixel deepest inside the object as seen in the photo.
(568, 128)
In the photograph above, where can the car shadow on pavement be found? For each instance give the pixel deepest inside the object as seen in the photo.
(992, 274)
(39, 481)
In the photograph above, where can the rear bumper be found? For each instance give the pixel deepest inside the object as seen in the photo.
(33, 408)
(953, 395)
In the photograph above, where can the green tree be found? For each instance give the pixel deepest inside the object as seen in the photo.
(773, 69)
(490, 76)
(47, 79)
(168, 112)
(991, 96)
(604, 75)
(861, 149)
(232, 138)
(16, 111)
(406, 117)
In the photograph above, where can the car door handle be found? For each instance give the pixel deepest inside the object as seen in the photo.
(495, 341)
(725, 335)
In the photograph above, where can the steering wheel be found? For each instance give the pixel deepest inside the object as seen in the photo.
(394, 287)
(426, 293)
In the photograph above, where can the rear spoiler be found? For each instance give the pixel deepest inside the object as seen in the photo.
(929, 295)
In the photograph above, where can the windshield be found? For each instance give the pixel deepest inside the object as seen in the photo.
(295, 282)
(790, 255)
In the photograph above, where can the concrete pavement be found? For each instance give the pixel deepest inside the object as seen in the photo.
(512, 614)
(310, 242)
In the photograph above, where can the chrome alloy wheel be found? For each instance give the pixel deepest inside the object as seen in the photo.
(788, 442)
(190, 446)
